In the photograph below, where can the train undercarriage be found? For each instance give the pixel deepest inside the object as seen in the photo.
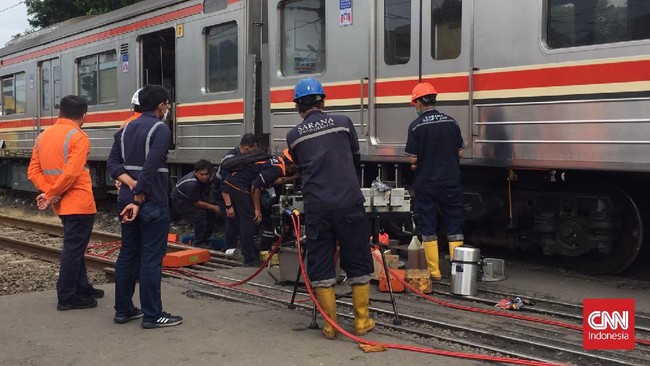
(588, 219)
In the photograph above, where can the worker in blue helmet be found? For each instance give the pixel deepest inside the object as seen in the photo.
(325, 148)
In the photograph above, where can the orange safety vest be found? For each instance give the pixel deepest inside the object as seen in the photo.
(134, 116)
(58, 168)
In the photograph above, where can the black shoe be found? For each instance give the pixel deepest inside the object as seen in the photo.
(121, 319)
(77, 302)
(165, 320)
(91, 292)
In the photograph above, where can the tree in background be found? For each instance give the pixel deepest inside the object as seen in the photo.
(44, 13)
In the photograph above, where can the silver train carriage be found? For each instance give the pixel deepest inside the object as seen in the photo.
(552, 98)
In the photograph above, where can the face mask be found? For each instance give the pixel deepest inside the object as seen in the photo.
(419, 112)
(165, 115)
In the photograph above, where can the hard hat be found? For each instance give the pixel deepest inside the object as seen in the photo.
(135, 100)
(421, 90)
(308, 86)
(286, 154)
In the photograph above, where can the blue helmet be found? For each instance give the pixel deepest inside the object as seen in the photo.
(308, 86)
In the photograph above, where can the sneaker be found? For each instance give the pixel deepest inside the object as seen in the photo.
(165, 320)
(91, 292)
(76, 302)
(121, 319)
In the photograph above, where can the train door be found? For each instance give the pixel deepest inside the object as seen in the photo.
(49, 93)
(158, 55)
(428, 40)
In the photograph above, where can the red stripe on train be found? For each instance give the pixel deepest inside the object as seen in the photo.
(620, 72)
(195, 9)
(47, 121)
(210, 109)
(452, 84)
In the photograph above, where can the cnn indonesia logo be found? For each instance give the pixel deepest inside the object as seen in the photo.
(608, 323)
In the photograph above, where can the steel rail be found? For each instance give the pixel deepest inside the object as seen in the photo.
(100, 236)
(576, 308)
(53, 254)
(490, 340)
(387, 324)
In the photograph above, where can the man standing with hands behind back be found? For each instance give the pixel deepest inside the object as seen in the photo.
(138, 159)
(58, 169)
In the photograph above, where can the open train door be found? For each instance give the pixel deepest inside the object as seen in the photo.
(158, 51)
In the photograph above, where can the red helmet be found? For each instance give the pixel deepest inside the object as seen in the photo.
(421, 90)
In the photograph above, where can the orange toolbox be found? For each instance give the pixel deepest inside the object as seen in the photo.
(395, 284)
(184, 258)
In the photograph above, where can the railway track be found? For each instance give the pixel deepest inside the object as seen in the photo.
(44, 239)
(430, 325)
(479, 332)
(556, 309)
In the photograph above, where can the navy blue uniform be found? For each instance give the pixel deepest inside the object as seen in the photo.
(239, 186)
(325, 148)
(140, 150)
(435, 139)
(231, 226)
(185, 194)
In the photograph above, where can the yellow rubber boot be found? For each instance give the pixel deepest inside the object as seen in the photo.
(453, 245)
(431, 254)
(327, 300)
(361, 303)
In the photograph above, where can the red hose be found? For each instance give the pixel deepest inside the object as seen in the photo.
(296, 223)
(492, 312)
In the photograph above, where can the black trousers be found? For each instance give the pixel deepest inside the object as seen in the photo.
(242, 202)
(72, 272)
(349, 228)
(231, 228)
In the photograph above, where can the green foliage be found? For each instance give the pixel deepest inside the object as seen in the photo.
(44, 13)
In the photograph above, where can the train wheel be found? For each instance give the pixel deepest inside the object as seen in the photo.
(628, 240)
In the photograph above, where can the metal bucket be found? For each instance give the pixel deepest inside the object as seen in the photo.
(465, 270)
(493, 270)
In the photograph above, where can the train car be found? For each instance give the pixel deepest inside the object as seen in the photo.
(552, 98)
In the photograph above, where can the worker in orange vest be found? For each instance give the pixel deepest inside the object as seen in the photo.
(58, 169)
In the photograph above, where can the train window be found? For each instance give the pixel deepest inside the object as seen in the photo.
(446, 18)
(222, 57)
(97, 77)
(573, 23)
(210, 6)
(13, 94)
(397, 32)
(303, 37)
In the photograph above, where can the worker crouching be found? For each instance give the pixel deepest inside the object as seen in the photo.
(326, 150)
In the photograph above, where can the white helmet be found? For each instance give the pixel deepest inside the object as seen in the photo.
(135, 100)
